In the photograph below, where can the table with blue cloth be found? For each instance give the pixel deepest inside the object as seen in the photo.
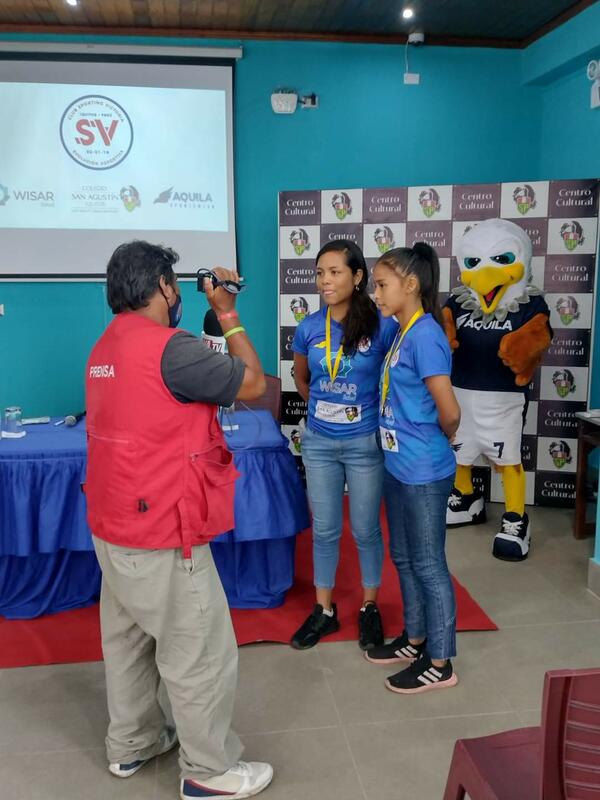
(47, 560)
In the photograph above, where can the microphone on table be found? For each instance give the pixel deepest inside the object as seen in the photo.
(212, 333)
(71, 419)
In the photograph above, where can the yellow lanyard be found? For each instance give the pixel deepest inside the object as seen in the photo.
(332, 371)
(385, 381)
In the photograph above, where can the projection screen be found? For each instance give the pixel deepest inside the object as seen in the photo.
(102, 148)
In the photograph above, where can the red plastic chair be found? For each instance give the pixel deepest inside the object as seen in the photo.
(559, 760)
(269, 401)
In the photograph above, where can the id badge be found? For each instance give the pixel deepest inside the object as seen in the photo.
(389, 440)
(337, 413)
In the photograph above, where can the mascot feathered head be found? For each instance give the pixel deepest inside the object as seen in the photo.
(494, 257)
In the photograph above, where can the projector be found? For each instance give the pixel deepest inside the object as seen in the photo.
(284, 102)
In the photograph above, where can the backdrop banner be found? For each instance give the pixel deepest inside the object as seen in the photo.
(561, 218)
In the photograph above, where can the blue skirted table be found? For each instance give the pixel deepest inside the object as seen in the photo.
(47, 562)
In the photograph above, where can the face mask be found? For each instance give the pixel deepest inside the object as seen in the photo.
(175, 311)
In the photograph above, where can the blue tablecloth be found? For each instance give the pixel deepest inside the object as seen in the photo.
(47, 563)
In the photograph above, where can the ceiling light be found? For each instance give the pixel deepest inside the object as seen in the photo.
(71, 2)
(407, 13)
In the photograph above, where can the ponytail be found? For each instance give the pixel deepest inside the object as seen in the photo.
(420, 260)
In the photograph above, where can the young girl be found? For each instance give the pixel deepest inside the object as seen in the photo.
(419, 416)
(338, 352)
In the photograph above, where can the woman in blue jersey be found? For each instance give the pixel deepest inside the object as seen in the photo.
(338, 352)
(419, 416)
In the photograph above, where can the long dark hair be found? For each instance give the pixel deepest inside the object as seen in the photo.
(420, 260)
(362, 318)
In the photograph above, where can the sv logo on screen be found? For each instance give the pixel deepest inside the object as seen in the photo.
(88, 137)
(96, 132)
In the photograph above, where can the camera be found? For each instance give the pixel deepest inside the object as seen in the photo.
(233, 287)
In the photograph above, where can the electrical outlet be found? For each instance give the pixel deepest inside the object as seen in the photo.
(1, 309)
(412, 77)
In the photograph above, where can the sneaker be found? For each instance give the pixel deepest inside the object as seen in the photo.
(316, 625)
(400, 649)
(422, 676)
(167, 740)
(465, 509)
(370, 627)
(245, 779)
(513, 540)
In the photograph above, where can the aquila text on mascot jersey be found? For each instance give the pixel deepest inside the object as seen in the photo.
(498, 327)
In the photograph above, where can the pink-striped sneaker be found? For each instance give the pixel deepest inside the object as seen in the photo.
(422, 676)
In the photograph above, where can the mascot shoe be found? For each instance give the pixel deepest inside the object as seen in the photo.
(513, 540)
(465, 509)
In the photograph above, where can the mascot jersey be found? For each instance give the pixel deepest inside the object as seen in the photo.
(475, 364)
(347, 406)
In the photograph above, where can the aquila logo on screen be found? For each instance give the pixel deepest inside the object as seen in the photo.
(96, 132)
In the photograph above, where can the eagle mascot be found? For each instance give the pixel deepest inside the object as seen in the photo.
(498, 327)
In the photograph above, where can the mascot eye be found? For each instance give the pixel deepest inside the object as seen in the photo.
(505, 258)
(471, 262)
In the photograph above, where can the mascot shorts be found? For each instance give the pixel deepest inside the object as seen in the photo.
(491, 424)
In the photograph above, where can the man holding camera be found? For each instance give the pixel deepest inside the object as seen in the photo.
(160, 485)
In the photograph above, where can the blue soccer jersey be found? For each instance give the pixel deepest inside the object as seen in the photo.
(348, 405)
(415, 447)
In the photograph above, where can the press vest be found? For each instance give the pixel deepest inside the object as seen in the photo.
(159, 474)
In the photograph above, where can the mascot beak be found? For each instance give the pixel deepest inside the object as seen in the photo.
(490, 283)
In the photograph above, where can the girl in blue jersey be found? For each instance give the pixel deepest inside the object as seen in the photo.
(419, 416)
(338, 352)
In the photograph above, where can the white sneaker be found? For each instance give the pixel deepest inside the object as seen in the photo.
(167, 740)
(245, 779)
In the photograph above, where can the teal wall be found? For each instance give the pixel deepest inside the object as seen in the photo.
(479, 115)
(569, 143)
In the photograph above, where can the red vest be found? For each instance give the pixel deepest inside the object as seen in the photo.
(159, 474)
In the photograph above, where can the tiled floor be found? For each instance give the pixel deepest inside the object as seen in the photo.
(323, 717)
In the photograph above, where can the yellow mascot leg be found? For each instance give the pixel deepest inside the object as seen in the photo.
(511, 543)
(464, 479)
(465, 505)
(513, 479)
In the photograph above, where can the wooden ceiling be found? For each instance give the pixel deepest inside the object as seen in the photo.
(505, 23)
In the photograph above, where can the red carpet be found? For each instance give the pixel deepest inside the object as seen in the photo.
(73, 636)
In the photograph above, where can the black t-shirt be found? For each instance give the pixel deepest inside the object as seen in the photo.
(194, 373)
(475, 363)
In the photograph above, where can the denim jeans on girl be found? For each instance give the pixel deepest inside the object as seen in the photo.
(416, 516)
(330, 462)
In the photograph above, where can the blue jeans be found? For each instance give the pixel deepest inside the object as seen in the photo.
(417, 520)
(329, 463)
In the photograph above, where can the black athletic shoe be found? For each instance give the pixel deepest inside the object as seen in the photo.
(316, 626)
(422, 676)
(397, 651)
(465, 509)
(513, 540)
(370, 627)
